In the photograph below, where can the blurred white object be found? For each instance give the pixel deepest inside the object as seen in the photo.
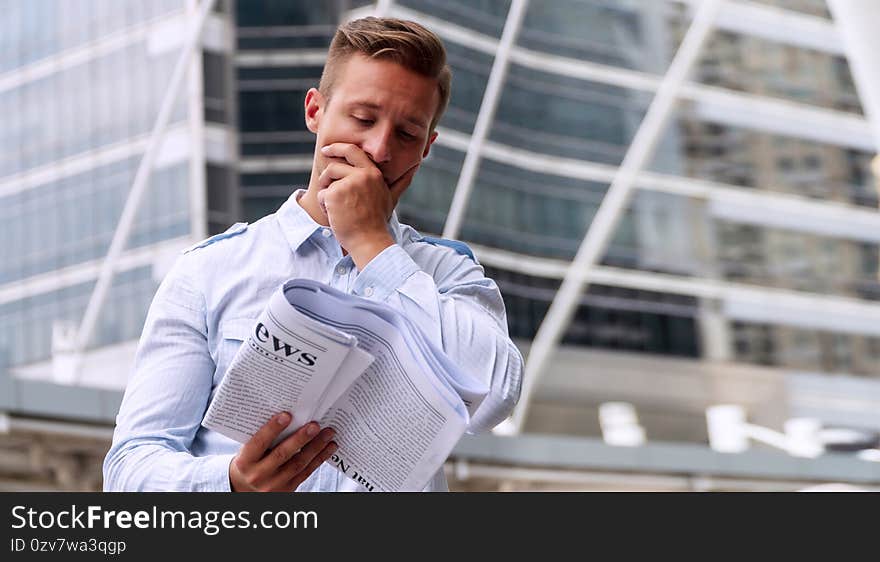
(872, 455)
(832, 487)
(726, 425)
(803, 437)
(64, 355)
(620, 424)
(730, 433)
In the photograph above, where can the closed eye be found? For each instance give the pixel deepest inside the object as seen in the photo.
(362, 121)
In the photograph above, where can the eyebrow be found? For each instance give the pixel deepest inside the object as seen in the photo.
(369, 105)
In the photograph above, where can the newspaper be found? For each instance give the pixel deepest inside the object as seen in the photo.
(397, 403)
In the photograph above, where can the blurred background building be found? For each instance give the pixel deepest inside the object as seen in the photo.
(743, 272)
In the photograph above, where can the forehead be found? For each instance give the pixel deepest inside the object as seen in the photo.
(387, 86)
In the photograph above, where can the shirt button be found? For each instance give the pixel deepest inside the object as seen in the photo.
(368, 292)
(341, 270)
(326, 233)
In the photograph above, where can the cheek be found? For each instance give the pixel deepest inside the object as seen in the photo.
(413, 158)
(339, 130)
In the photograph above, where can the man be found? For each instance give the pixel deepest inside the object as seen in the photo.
(383, 90)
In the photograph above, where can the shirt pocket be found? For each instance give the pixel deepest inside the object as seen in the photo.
(233, 333)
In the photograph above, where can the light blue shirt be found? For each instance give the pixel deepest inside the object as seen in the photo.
(210, 299)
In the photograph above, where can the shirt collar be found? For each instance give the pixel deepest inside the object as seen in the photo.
(298, 226)
(295, 222)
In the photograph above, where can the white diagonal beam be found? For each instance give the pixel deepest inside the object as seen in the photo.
(857, 22)
(613, 204)
(141, 180)
(484, 119)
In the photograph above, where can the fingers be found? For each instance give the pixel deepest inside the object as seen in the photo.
(284, 466)
(319, 459)
(282, 452)
(298, 464)
(256, 447)
(325, 194)
(352, 154)
(334, 171)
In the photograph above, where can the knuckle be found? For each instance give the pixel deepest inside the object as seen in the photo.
(263, 437)
(279, 454)
(252, 481)
(296, 466)
(238, 464)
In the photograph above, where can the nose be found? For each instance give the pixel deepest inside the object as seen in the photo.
(377, 144)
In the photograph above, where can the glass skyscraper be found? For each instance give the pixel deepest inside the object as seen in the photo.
(81, 83)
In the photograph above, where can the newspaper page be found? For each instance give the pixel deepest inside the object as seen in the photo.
(287, 363)
(398, 422)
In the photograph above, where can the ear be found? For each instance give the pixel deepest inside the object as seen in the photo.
(431, 140)
(314, 109)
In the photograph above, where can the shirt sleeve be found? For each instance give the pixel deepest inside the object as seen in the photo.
(165, 400)
(460, 310)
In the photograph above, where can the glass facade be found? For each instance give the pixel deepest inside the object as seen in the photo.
(37, 29)
(26, 324)
(105, 100)
(71, 221)
(81, 83)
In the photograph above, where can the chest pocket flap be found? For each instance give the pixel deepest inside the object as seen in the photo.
(237, 328)
(232, 333)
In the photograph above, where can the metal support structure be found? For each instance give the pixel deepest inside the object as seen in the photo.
(613, 205)
(857, 21)
(141, 180)
(485, 117)
(195, 96)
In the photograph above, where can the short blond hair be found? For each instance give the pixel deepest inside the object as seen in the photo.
(404, 42)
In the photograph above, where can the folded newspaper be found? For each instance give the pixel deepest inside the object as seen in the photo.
(397, 403)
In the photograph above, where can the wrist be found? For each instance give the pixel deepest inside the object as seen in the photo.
(363, 251)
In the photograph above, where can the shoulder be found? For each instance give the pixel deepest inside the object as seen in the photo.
(447, 261)
(456, 246)
(236, 229)
(414, 242)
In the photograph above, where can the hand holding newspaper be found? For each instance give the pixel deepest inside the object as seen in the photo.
(397, 403)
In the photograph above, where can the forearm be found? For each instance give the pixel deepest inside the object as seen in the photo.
(134, 466)
(165, 400)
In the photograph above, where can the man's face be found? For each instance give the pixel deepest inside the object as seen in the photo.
(379, 106)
